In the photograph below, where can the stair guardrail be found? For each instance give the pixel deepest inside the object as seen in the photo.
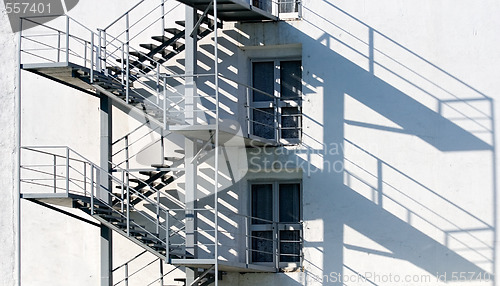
(62, 170)
(57, 42)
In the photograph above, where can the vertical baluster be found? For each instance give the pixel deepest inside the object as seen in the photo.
(67, 39)
(55, 174)
(92, 189)
(58, 46)
(165, 103)
(275, 245)
(122, 190)
(92, 57)
(67, 171)
(247, 238)
(128, 210)
(85, 179)
(85, 55)
(167, 237)
(127, 80)
(123, 64)
(105, 56)
(157, 210)
(126, 274)
(99, 53)
(157, 83)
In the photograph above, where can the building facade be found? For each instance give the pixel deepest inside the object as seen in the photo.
(262, 142)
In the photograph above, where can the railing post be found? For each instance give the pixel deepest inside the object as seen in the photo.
(123, 64)
(58, 46)
(157, 83)
(67, 39)
(128, 210)
(165, 103)
(247, 254)
(84, 179)
(249, 116)
(55, 174)
(157, 211)
(126, 274)
(85, 55)
(122, 190)
(127, 80)
(92, 190)
(167, 237)
(67, 171)
(126, 156)
(105, 56)
(276, 120)
(275, 244)
(163, 17)
(161, 272)
(91, 57)
(99, 51)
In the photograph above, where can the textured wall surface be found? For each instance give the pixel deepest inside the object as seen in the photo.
(8, 42)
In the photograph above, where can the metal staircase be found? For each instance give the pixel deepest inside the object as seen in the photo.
(136, 203)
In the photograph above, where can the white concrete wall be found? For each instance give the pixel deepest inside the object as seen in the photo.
(7, 151)
(401, 95)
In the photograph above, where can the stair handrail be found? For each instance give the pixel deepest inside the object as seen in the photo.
(63, 45)
(124, 14)
(162, 212)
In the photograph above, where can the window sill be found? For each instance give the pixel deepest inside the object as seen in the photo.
(289, 16)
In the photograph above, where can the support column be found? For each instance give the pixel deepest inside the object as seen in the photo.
(105, 185)
(190, 145)
(191, 66)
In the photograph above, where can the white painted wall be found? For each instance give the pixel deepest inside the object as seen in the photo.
(413, 190)
(414, 186)
(7, 151)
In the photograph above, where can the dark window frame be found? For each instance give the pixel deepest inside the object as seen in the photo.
(278, 105)
(278, 229)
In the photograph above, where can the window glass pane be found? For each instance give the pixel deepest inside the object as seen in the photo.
(289, 203)
(262, 203)
(288, 6)
(263, 79)
(263, 125)
(290, 122)
(290, 246)
(263, 4)
(291, 79)
(262, 246)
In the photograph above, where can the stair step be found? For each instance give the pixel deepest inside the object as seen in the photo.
(123, 226)
(161, 39)
(174, 159)
(141, 231)
(112, 217)
(167, 54)
(160, 166)
(181, 23)
(178, 46)
(136, 54)
(148, 173)
(173, 31)
(149, 46)
(103, 210)
(149, 240)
